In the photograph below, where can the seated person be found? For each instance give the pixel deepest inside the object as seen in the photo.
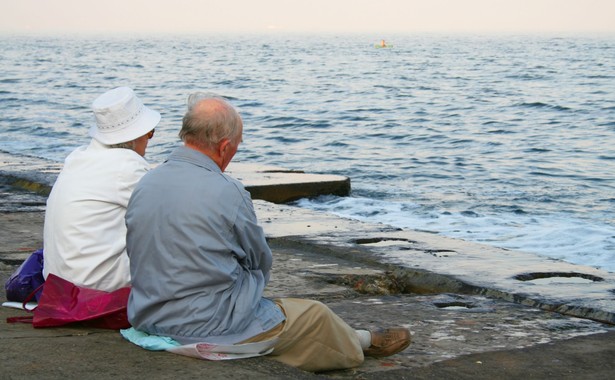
(84, 237)
(200, 262)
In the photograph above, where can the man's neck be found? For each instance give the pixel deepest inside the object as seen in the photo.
(213, 155)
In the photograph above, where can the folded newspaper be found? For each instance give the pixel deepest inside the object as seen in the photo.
(20, 305)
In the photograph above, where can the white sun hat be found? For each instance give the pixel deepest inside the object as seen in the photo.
(121, 117)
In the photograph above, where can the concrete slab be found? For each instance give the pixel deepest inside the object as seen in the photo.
(280, 185)
(270, 183)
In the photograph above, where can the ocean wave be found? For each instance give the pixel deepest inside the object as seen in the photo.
(542, 105)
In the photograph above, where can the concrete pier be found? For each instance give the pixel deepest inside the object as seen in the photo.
(475, 311)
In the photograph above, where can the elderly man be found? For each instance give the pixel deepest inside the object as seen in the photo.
(85, 230)
(200, 262)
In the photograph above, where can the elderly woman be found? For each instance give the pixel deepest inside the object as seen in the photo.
(85, 232)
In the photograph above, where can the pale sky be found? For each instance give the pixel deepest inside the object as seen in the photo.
(354, 16)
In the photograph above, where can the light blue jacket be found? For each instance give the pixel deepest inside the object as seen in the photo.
(199, 262)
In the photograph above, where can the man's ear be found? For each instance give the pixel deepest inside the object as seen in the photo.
(223, 146)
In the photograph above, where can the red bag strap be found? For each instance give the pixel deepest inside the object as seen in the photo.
(24, 319)
(30, 296)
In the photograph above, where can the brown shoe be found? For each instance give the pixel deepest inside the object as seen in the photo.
(387, 342)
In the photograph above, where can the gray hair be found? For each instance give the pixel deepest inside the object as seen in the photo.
(125, 145)
(208, 131)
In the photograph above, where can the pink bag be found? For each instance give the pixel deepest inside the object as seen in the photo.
(63, 302)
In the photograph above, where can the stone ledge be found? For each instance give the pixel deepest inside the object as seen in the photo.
(429, 263)
(264, 182)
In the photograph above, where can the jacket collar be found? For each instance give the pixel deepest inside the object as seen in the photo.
(194, 157)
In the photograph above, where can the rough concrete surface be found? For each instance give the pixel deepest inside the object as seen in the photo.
(455, 335)
(474, 311)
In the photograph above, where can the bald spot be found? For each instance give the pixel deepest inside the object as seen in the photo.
(208, 107)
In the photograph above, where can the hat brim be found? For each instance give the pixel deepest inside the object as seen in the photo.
(147, 120)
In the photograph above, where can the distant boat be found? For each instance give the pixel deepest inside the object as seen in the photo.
(382, 45)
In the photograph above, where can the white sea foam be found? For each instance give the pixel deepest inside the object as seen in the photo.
(557, 236)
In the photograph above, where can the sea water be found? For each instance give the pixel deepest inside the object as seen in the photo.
(503, 140)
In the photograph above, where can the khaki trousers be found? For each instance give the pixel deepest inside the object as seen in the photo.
(313, 338)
